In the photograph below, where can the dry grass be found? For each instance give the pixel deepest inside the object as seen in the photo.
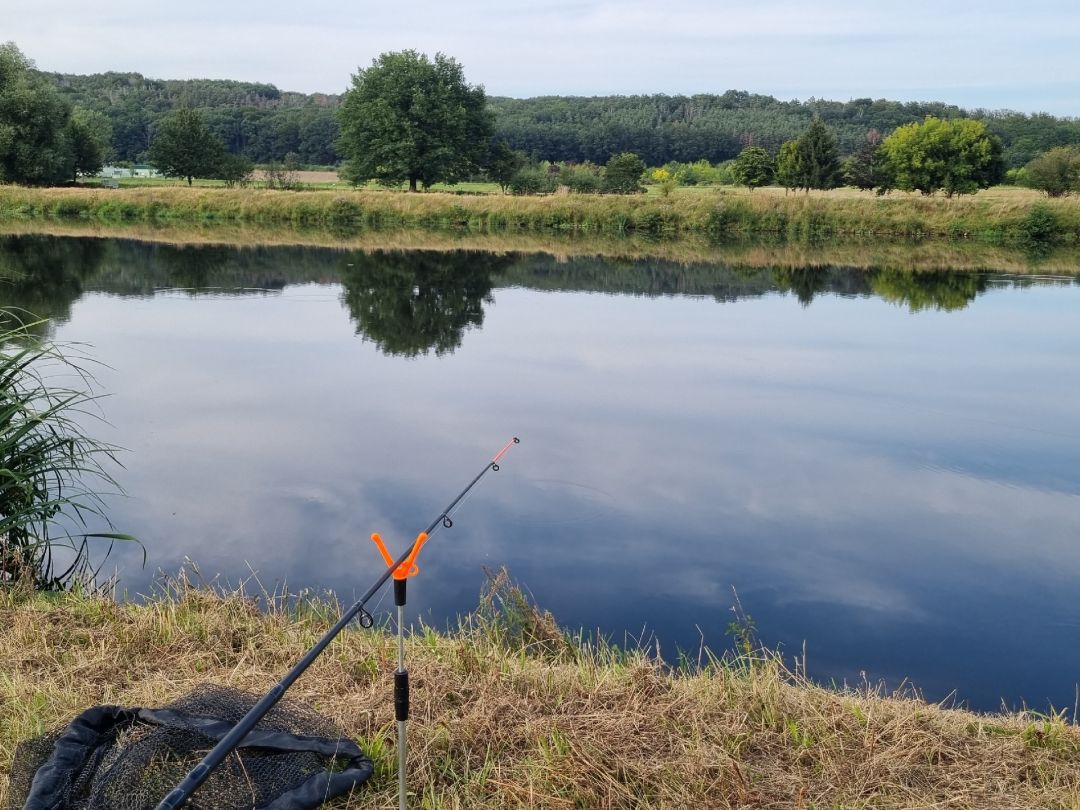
(508, 713)
(725, 212)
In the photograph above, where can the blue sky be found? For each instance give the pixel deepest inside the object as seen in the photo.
(991, 54)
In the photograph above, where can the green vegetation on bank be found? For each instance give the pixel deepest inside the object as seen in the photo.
(1016, 217)
(51, 471)
(510, 711)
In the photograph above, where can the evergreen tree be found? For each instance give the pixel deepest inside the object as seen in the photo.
(817, 158)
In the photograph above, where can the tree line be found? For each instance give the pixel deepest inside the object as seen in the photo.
(266, 124)
(408, 119)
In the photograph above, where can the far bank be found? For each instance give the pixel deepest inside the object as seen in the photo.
(991, 217)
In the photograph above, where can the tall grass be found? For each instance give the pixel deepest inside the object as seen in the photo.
(718, 214)
(509, 712)
(51, 471)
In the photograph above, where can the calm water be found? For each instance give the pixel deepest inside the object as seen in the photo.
(883, 465)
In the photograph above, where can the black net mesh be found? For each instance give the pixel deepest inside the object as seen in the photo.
(128, 759)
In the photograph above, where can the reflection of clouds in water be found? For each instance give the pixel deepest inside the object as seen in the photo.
(815, 459)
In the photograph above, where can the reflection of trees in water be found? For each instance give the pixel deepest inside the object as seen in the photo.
(937, 289)
(410, 303)
(44, 275)
(917, 290)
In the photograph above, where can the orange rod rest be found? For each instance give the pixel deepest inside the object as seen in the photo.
(408, 568)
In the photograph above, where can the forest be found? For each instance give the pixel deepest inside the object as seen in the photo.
(267, 124)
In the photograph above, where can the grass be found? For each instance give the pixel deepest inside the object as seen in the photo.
(51, 471)
(1014, 216)
(508, 711)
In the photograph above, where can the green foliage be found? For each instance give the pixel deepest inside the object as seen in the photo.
(787, 166)
(754, 167)
(34, 119)
(89, 135)
(867, 168)
(1057, 172)
(503, 163)
(816, 159)
(622, 174)
(957, 157)
(406, 118)
(581, 179)
(1039, 225)
(50, 469)
(533, 180)
(234, 170)
(184, 147)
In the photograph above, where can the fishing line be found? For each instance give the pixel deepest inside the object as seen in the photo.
(400, 569)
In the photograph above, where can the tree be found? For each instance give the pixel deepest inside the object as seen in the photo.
(406, 118)
(235, 170)
(503, 163)
(816, 158)
(754, 167)
(787, 166)
(622, 174)
(89, 135)
(867, 168)
(957, 156)
(34, 148)
(1057, 172)
(184, 147)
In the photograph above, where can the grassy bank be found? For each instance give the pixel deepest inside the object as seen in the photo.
(509, 713)
(1017, 217)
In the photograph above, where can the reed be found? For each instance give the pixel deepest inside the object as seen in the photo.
(721, 213)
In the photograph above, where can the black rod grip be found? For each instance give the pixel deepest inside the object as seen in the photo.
(401, 694)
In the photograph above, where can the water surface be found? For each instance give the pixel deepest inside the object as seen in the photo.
(885, 466)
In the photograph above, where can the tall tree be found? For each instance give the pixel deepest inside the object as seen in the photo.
(817, 157)
(867, 168)
(89, 135)
(407, 118)
(754, 167)
(957, 156)
(183, 146)
(34, 148)
(787, 166)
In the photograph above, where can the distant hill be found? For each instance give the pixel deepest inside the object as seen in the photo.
(266, 123)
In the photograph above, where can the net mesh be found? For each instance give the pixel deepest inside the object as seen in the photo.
(134, 758)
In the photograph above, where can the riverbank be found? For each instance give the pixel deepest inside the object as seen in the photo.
(509, 712)
(991, 218)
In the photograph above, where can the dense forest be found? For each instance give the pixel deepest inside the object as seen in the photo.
(266, 124)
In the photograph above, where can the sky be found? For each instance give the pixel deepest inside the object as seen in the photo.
(994, 54)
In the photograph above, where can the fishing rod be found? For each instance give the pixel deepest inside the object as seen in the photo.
(182, 792)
